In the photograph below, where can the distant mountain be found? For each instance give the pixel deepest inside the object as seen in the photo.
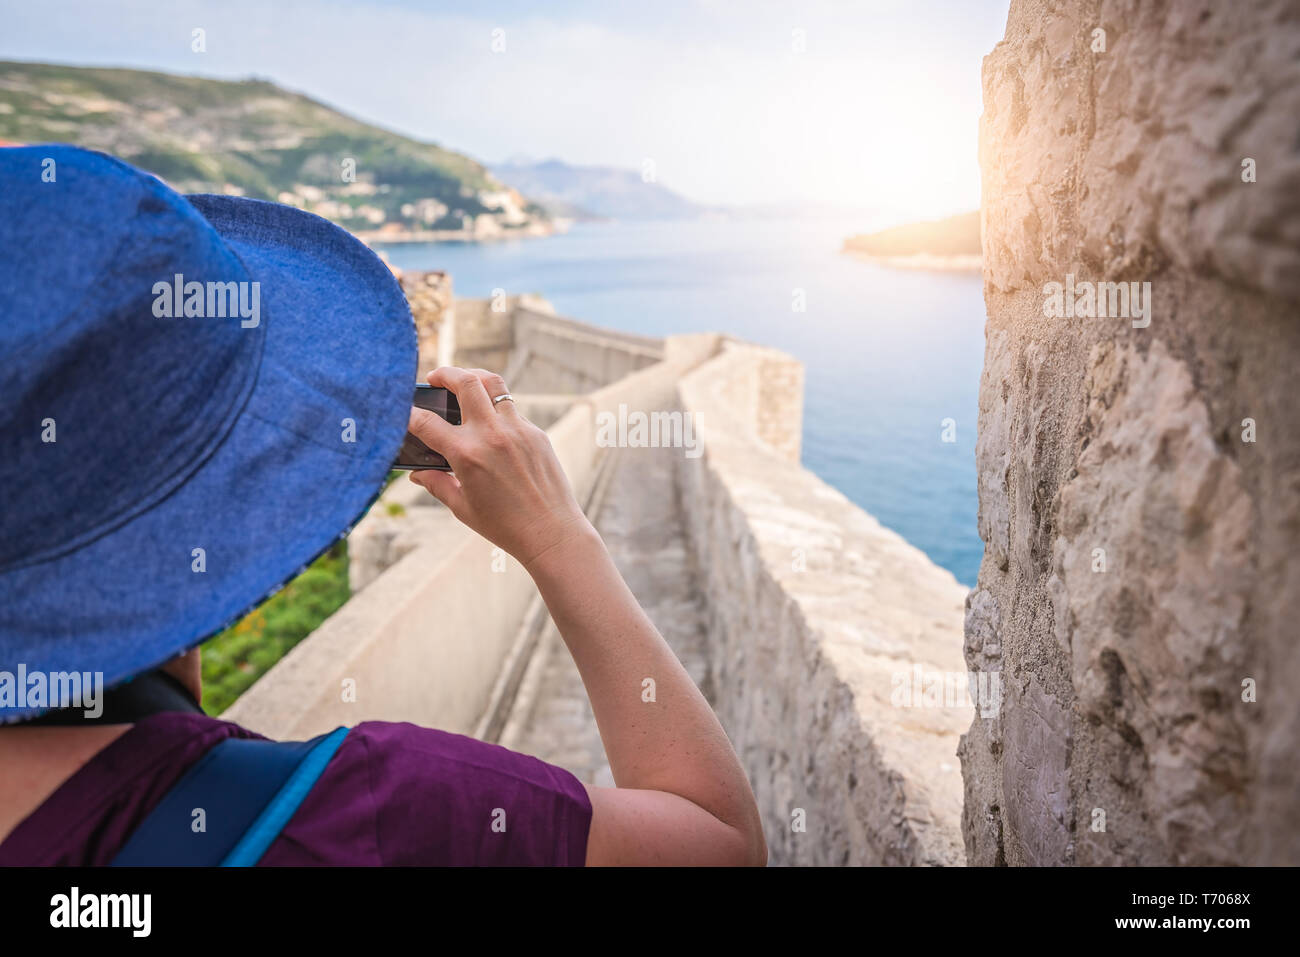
(252, 138)
(595, 192)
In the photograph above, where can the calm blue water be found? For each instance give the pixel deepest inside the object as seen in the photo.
(889, 353)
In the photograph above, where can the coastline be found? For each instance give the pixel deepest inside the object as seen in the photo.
(960, 263)
(535, 231)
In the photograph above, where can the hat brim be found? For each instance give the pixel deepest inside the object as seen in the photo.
(305, 459)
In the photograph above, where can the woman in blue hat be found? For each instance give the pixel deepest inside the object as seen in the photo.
(176, 372)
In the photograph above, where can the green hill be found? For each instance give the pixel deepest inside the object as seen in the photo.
(253, 138)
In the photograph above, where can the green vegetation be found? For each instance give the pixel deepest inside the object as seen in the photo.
(241, 654)
(246, 136)
(238, 656)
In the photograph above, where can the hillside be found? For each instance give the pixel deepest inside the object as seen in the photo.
(956, 238)
(253, 138)
(595, 192)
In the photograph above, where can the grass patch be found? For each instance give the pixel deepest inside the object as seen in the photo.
(241, 654)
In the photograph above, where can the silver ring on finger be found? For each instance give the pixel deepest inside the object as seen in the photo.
(497, 400)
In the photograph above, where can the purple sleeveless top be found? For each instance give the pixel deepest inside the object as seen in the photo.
(394, 794)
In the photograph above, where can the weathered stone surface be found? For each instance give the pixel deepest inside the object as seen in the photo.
(1122, 161)
(814, 612)
(1139, 551)
(429, 296)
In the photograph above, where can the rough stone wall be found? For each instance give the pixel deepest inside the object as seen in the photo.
(818, 619)
(768, 392)
(1139, 561)
(430, 298)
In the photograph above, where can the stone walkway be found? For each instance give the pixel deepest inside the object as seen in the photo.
(641, 524)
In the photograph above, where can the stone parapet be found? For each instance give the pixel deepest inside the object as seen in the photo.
(824, 631)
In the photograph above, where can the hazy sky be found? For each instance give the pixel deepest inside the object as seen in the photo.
(869, 104)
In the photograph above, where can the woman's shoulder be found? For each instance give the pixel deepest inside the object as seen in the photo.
(398, 793)
(394, 793)
(89, 817)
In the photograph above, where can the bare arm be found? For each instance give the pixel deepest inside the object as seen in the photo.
(681, 795)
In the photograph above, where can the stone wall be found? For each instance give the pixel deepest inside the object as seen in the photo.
(484, 336)
(1139, 477)
(430, 298)
(556, 355)
(537, 351)
(766, 392)
(819, 620)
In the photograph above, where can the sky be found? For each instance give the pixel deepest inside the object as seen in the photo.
(868, 105)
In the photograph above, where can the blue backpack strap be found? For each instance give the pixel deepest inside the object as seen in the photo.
(248, 790)
(277, 813)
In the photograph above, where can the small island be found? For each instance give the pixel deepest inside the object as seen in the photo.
(951, 244)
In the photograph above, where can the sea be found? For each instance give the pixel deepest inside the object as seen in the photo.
(892, 356)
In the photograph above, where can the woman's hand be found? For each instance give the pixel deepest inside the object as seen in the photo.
(506, 482)
(681, 795)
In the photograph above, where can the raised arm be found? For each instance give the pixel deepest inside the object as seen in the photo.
(681, 795)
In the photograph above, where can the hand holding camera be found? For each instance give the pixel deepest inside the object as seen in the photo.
(505, 481)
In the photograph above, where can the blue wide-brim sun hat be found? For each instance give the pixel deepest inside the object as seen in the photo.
(165, 467)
